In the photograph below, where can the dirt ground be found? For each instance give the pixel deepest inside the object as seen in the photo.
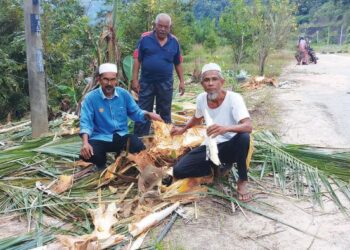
(315, 103)
(314, 108)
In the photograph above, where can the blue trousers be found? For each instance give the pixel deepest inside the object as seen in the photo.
(194, 163)
(118, 144)
(162, 94)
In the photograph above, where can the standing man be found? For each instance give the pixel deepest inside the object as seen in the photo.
(231, 129)
(157, 53)
(104, 119)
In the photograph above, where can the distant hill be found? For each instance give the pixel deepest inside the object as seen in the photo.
(325, 21)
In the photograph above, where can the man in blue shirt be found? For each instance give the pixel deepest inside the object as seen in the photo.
(104, 119)
(157, 53)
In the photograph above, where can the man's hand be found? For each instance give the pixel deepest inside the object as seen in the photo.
(86, 151)
(182, 88)
(135, 85)
(153, 116)
(215, 130)
(177, 130)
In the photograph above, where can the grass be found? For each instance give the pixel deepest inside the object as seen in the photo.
(223, 56)
(331, 48)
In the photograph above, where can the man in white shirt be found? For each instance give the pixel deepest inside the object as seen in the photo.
(231, 129)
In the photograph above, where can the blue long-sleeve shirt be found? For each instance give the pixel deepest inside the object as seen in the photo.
(102, 117)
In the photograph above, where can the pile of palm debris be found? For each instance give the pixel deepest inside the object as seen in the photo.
(119, 201)
(259, 82)
(43, 177)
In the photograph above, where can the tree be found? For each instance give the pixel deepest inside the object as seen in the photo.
(68, 49)
(236, 24)
(274, 22)
(13, 77)
(211, 41)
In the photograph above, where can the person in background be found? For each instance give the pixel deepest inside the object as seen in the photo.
(156, 54)
(302, 52)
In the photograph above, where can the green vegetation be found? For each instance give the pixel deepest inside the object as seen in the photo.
(326, 22)
(73, 47)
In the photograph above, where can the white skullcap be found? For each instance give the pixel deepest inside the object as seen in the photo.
(107, 67)
(211, 66)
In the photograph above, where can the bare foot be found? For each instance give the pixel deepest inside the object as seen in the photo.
(242, 191)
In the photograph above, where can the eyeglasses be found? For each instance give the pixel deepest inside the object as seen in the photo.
(109, 80)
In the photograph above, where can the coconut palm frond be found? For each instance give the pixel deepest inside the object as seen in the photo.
(330, 161)
(294, 175)
(64, 147)
(28, 240)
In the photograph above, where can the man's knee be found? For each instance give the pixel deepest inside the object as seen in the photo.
(136, 145)
(178, 172)
(243, 139)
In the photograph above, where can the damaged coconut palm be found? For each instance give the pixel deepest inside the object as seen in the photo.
(151, 220)
(175, 146)
(103, 235)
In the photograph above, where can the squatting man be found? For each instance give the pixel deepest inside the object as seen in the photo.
(231, 130)
(104, 119)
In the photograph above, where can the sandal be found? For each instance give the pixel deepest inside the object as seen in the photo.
(244, 197)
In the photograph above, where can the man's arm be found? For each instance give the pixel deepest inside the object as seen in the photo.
(180, 74)
(153, 116)
(192, 122)
(135, 75)
(244, 125)
(86, 128)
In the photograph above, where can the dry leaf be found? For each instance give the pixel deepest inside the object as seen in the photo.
(64, 183)
(82, 163)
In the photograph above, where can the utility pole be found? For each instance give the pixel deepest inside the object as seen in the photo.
(35, 66)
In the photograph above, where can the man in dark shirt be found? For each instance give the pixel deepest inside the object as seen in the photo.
(104, 119)
(156, 54)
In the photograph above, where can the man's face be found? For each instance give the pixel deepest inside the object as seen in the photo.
(212, 84)
(162, 28)
(108, 82)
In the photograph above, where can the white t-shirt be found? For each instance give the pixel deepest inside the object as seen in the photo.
(230, 112)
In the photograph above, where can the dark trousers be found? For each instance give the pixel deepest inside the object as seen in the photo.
(162, 94)
(194, 164)
(118, 144)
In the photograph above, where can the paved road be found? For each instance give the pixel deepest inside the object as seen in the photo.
(315, 103)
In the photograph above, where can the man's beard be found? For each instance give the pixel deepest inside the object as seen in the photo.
(212, 96)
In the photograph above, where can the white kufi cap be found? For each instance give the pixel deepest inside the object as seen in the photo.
(107, 67)
(211, 66)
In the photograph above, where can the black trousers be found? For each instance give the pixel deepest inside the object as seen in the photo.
(162, 94)
(194, 164)
(118, 144)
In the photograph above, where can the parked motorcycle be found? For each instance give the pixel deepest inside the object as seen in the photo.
(312, 55)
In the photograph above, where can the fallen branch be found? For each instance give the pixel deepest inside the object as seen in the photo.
(151, 220)
(5, 130)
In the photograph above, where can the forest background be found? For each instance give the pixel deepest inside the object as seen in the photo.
(237, 34)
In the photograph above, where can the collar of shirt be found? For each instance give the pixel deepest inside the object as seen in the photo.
(105, 97)
(154, 36)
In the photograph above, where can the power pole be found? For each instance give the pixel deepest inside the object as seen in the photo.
(35, 66)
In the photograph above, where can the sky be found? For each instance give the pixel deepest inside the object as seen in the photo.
(92, 7)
